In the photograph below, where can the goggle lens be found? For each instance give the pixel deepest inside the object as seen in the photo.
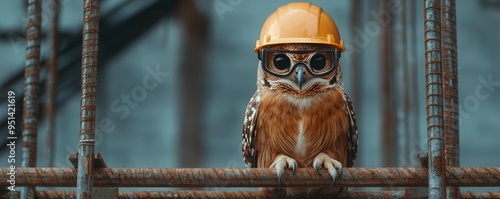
(282, 62)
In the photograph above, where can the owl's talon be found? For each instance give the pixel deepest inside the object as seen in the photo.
(280, 176)
(322, 160)
(334, 177)
(316, 166)
(280, 163)
(337, 174)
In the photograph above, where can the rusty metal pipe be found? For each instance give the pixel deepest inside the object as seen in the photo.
(45, 194)
(414, 104)
(478, 195)
(404, 195)
(162, 194)
(450, 76)
(51, 84)
(260, 177)
(31, 90)
(388, 131)
(88, 99)
(434, 99)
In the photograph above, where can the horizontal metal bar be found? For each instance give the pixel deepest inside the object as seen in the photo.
(44, 194)
(403, 195)
(240, 177)
(162, 194)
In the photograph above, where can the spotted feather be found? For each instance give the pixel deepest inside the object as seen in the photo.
(250, 131)
(352, 136)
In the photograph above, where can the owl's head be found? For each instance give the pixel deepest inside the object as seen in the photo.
(299, 51)
(300, 70)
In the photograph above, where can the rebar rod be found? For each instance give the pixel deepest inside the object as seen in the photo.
(434, 99)
(399, 90)
(46, 194)
(88, 99)
(163, 194)
(403, 194)
(388, 129)
(51, 84)
(31, 90)
(260, 177)
(406, 86)
(372, 194)
(479, 195)
(191, 74)
(414, 99)
(450, 79)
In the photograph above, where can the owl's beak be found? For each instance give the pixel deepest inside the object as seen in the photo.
(300, 76)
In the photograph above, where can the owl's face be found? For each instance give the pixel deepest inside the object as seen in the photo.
(299, 70)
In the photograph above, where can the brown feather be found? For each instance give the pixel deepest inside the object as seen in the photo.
(325, 127)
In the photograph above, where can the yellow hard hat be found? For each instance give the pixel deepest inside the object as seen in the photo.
(299, 23)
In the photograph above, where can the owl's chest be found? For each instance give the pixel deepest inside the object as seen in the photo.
(300, 128)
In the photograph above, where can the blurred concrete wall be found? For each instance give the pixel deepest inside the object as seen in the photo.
(147, 134)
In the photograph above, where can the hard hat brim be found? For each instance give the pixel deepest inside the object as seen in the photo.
(259, 45)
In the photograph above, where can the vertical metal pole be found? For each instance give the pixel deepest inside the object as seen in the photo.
(388, 130)
(414, 102)
(191, 72)
(31, 90)
(51, 84)
(407, 84)
(411, 92)
(88, 99)
(434, 99)
(451, 129)
(398, 57)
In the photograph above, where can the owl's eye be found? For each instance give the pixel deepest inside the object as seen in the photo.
(318, 62)
(281, 62)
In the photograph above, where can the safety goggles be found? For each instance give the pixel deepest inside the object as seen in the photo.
(281, 63)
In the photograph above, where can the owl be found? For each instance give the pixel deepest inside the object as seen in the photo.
(300, 116)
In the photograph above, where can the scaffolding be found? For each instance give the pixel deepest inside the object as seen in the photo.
(92, 177)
